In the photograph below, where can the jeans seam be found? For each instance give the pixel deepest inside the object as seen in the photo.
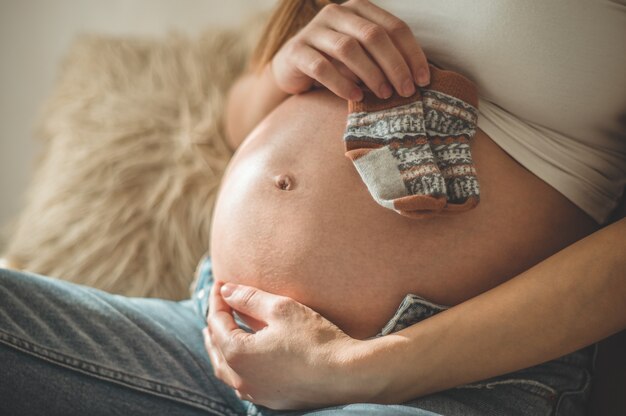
(534, 386)
(115, 376)
(566, 393)
(585, 384)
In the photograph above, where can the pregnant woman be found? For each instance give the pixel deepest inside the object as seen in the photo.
(332, 289)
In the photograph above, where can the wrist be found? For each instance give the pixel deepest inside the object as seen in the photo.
(372, 370)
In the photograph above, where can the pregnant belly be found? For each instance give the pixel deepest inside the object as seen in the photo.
(294, 218)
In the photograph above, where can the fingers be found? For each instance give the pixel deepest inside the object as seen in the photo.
(376, 41)
(400, 34)
(221, 323)
(223, 327)
(223, 335)
(221, 369)
(255, 303)
(216, 301)
(226, 344)
(354, 40)
(345, 71)
(348, 53)
(318, 67)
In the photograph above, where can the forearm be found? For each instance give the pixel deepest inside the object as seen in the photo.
(570, 300)
(250, 99)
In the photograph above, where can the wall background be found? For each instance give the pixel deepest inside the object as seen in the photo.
(34, 35)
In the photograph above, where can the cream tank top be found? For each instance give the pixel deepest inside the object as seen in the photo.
(552, 81)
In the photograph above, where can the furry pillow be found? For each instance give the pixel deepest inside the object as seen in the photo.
(133, 154)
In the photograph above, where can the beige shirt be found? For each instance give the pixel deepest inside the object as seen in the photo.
(552, 80)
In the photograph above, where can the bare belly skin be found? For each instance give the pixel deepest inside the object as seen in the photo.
(294, 218)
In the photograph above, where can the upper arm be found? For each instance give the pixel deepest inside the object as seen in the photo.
(232, 121)
(250, 99)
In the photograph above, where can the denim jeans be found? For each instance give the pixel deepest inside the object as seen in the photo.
(67, 349)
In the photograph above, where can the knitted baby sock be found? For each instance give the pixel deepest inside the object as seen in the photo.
(386, 140)
(450, 113)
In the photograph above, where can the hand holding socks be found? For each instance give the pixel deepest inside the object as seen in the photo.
(413, 153)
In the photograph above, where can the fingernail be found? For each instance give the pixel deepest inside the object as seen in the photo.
(385, 90)
(228, 289)
(408, 88)
(356, 95)
(423, 78)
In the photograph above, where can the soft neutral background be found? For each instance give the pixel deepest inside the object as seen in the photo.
(34, 35)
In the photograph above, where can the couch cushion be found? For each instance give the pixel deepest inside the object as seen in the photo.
(122, 197)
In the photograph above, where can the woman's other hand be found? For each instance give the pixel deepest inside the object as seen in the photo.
(352, 42)
(294, 359)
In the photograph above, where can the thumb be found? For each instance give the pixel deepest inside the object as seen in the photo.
(250, 301)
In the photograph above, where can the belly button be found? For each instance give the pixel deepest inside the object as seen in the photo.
(284, 182)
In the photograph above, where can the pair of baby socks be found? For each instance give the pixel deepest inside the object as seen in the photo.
(413, 153)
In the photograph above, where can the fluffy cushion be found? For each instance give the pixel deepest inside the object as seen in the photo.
(122, 196)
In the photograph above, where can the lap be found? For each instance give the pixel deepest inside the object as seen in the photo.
(104, 353)
(149, 346)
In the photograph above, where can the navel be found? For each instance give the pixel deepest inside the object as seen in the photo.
(284, 182)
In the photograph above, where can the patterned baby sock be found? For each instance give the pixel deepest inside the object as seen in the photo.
(386, 140)
(450, 113)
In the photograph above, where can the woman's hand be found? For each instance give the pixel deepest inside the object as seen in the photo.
(294, 359)
(347, 43)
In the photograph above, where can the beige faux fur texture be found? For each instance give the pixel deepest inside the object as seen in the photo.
(133, 152)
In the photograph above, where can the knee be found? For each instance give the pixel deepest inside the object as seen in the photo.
(17, 283)
(8, 280)
(6, 274)
(9, 274)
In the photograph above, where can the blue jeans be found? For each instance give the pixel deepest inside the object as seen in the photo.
(67, 349)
